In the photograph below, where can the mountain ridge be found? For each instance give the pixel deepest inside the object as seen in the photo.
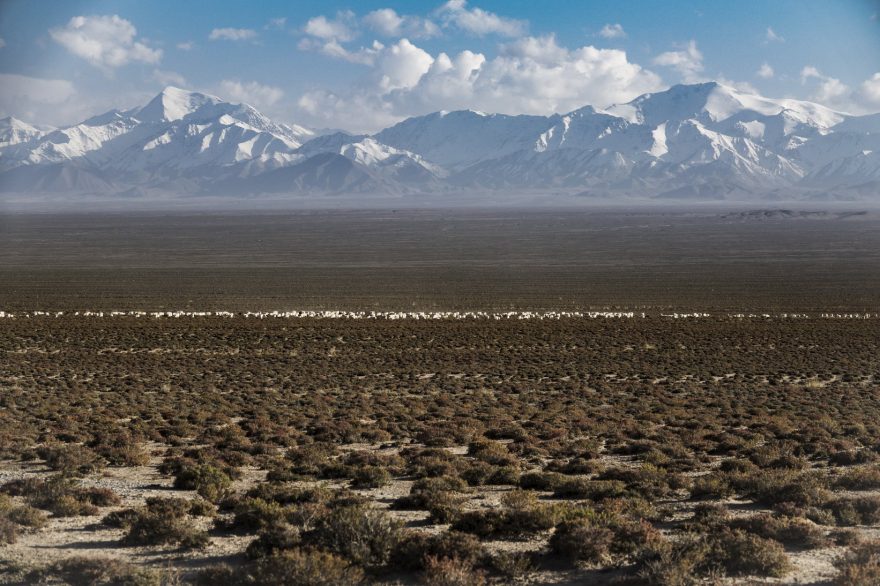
(698, 141)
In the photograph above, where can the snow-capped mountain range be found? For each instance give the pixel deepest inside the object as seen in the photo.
(703, 141)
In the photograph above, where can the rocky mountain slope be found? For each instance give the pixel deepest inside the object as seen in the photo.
(704, 141)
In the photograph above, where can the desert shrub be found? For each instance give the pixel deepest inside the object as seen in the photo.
(120, 448)
(582, 488)
(8, 530)
(414, 549)
(721, 551)
(527, 520)
(503, 476)
(436, 437)
(511, 566)
(648, 481)
(394, 463)
(363, 535)
(435, 495)
(370, 477)
(768, 457)
(24, 516)
(202, 508)
(477, 473)
(438, 484)
(711, 486)
(336, 470)
(657, 458)
(120, 519)
(707, 516)
(817, 515)
(738, 466)
(790, 531)
(256, 514)
(860, 566)
(681, 564)
(432, 462)
(68, 505)
(519, 499)
(483, 523)
(771, 488)
(71, 459)
(492, 452)
(100, 497)
(61, 496)
(741, 554)
(845, 537)
(304, 568)
(279, 471)
(851, 457)
(576, 466)
(309, 459)
(867, 478)
(126, 455)
(451, 572)
(584, 542)
(170, 506)
(636, 508)
(151, 528)
(541, 480)
(208, 480)
(600, 540)
(509, 523)
(272, 540)
(854, 511)
(84, 571)
(443, 507)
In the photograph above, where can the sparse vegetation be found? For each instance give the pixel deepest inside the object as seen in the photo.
(861, 566)
(162, 522)
(532, 447)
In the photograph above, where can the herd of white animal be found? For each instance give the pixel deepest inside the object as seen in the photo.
(426, 315)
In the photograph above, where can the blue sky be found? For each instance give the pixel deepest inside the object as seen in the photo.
(363, 65)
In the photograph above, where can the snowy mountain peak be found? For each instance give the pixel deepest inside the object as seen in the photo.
(697, 141)
(14, 131)
(173, 104)
(712, 102)
(11, 122)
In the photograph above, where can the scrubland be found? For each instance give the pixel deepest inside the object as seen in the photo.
(334, 451)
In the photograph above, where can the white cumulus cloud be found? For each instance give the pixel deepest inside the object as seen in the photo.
(251, 92)
(340, 29)
(688, 62)
(830, 91)
(612, 31)
(186, 46)
(478, 21)
(765, 71)
(232, 34)
(387, 22)
(34, 99)
(104, 41)
(534, 75)
(332, 48)
(871, 90)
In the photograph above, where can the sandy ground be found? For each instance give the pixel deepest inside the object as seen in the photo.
(85, 536)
